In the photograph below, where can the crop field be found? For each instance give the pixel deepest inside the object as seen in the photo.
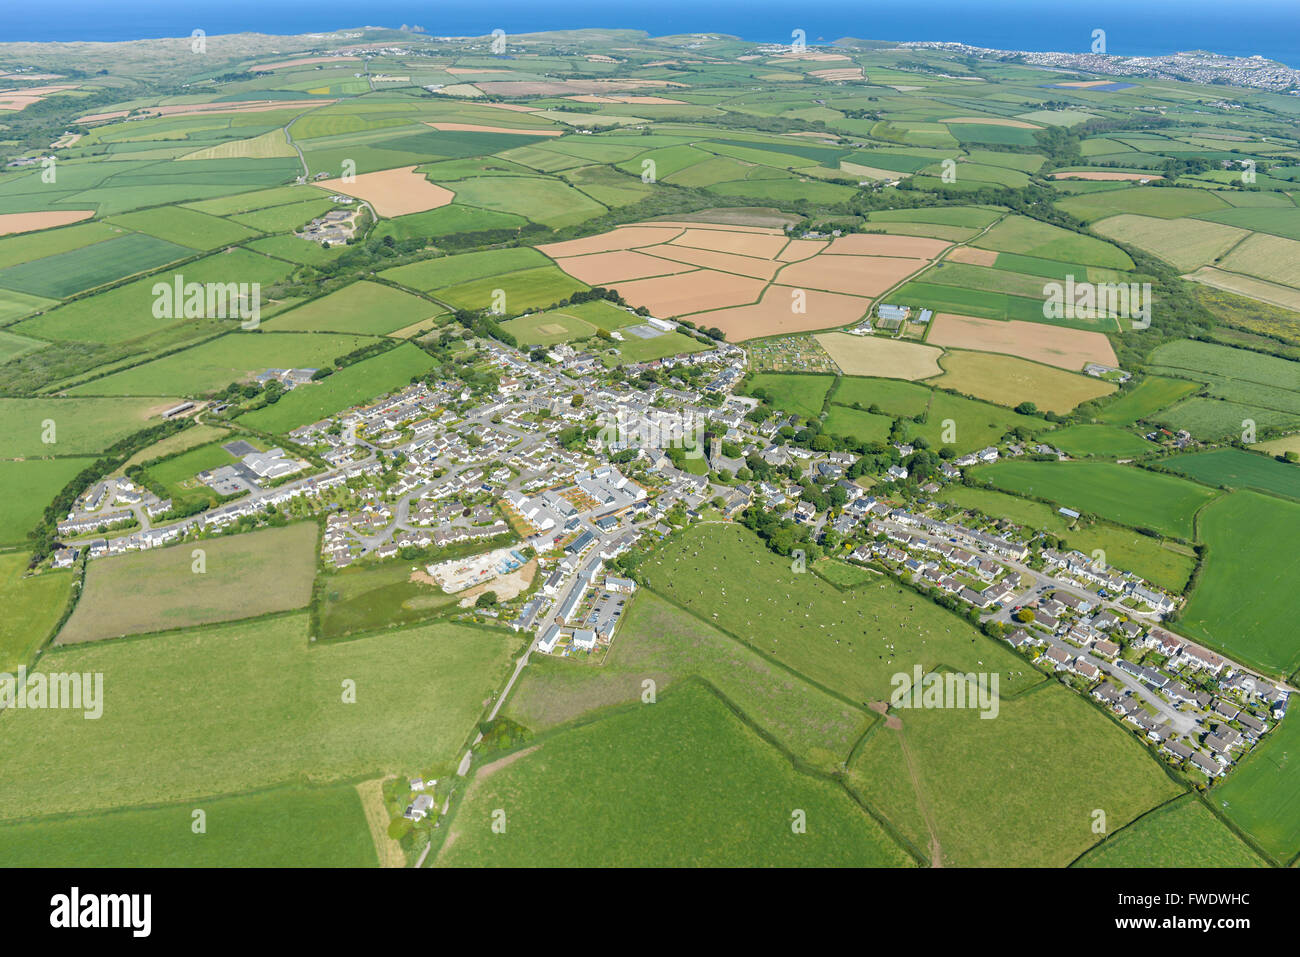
(63, 274)
(1185, 244)
(1046, 794)
(218, 362)
(1279, 220)
(1163, 202)
(75, 426)
(246, 575)
(801, 394)
(523, 290)
(877, 356)
(807, 625)
(1272, 258)
(26, 486)
(1260, 795)
(448, 271)
(648, 799)
(184, 227)
(1099, 441)
(249, 705)
(286, 827)
(285, 217)
(349, 386)
(1233, 468)
(33, 606)
(1006, 380)
(1068, 349)
(1145, 399)
(1183, 833)
(364, 308)
(1248, 535)
(547, 201)
(367, 598)
(1028, 237)
(662, 641)
(1123, 494)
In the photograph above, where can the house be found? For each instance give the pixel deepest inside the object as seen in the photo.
(1059, 656)
(418, 809)
(584, 638)
(623, 586)
(550, 638)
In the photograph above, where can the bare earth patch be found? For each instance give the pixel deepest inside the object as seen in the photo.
(1070, 349)
(773, 315)
(877, 244)
(619, 265)
(972, 256)
(504, 587)
(30, 222)
(696, 291)
(738, 242)
(881, 357)
(853, 275)
(625, 237)
(393, 192)
(713, 259)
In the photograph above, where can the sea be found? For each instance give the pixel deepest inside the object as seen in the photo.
(1268, 28)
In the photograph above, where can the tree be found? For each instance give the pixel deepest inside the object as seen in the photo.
(486, 600)
(1025, 615)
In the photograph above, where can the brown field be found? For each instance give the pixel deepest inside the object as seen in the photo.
(15, 100)
(190, 109)
(712, 226)
(1064, 348)
(393, 192)
(102, 117)
(1084, 84)
(462, 70)
(303, 61)
(30, 222)
(564, 87)
(875, 244)
(624, 237)
(477, 128)
(854, 275)
(993, 121)
(617, 265)
(847, 73)
(1006, 380)
(773, 314)
(881, 357)
(734, 241)
(798, 249)
(711, 259)
(871, 172)
(697, 291)
(1105, 175)
(646, 100)
(972, 256)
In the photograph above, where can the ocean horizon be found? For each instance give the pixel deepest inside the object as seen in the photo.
(1267, 29)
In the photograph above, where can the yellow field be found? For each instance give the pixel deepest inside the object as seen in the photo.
(267, 146)
(881, 357)
(1006, 380)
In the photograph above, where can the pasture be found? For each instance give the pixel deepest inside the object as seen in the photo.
(363, 308)
(26, 487)
(681, 783)
(1099, 441)
(74, 426)
(367, 598)
(33, 606)
(1008, 381)
(1183, 833)
(1261, 795)
(1144, 399)
(1234, 468)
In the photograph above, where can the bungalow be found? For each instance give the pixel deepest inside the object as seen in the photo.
(1059, 656)
(1210, 767)
(1179, 750)
(418, 809)
(1086, 669)
(1254, 727)
(1107, 649)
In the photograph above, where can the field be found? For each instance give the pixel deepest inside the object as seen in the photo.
(370, 597)
(856, 424)
(807, 625)
(1183, 833)
(1006, 380)
(1185, 244)
(683, 782)
(185, 227)
(570, 323)
(933, 777)
(80, 426)
(1233, 468)
(876, 356)
(33, 606)
(516, 291)
(288, 827)
(1069, 349)
(1260, 796)
(1028, 237)
(1146, 398)
(25, 487)
(1248, 535)
(246, 706)
(64, 274)
(1101, 441)
(801, 394)
(448, 271)
(215, 364)
(1123, 494)
(364, 308)
(246, 576)
(392, 192)
(349, 386)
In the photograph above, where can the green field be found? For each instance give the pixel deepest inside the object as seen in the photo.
(660, 641)
(370, 597)
(570, 324)
(801, 394)
(1183, 833)
(351, 385)
(440, 273)
(807, 625)
(185, 227)
(1249, 538)
(858, 425)
(246, 706)
(1046, 789)
(63, 274)
(1121, 493)
(365, 308)
(1016, 234)
(1260, 797)
(76, 426)
(1143, 400)
(26, 487)
(683, 782)
(33, 606)
(288, 827)
(1233, 468)
(519, 291)
(1102, 441)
